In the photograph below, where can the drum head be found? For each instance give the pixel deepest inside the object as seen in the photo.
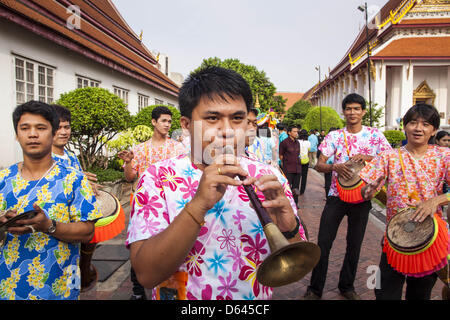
(107, 203)
(356, 167)
(406, 235)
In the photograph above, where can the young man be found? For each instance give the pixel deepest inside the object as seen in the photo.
(251, 135)
(69, 159)
(314, 141)
(359, 143)
(290, 159)
(195, 207)
(414, 175)
(158, 148)
(39, 259)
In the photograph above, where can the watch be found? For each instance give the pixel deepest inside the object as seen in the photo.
(291, 234)
(52, 228)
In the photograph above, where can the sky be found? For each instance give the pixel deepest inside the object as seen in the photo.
(287, 39)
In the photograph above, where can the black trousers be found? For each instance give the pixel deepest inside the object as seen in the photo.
(392, 282)
(294, 181)
(327, 176)
(304, 178)
(332, 215)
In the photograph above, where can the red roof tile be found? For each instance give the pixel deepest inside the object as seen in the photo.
(292, 97)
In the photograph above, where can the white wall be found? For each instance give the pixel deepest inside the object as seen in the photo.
(17, 40)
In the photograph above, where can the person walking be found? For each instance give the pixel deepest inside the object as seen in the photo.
(290, 160)
(305, 145)
(314, 141)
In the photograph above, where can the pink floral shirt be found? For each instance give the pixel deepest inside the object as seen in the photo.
(230, 246)
(426, 176)
(369, 141)
(145, 154)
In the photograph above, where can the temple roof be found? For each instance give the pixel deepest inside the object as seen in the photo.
(292, 97)
(423, 47)
(103, 35)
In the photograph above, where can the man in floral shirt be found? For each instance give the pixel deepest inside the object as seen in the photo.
(192, 232)
(40, 256)
(359, 143)
(414, 175)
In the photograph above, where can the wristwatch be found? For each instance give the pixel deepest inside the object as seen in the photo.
(52, 228)
(291, 234)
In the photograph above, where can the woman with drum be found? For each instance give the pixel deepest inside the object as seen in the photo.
(415, 246)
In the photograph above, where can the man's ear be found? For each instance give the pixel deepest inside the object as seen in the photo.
(153, 122)
(185, 122)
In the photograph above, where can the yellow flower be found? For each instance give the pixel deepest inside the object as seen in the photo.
(22, 203)
(11, 253)
(53, 173)
(86, 189)
(68, 182)
(59, 212)
(44, 195)
(8, 285)
(4, 173)
(37, 277)
(62, 253)
(19, 184)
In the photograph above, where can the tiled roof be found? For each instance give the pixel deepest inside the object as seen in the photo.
(423, 47)
(292, 97)
(103, 35)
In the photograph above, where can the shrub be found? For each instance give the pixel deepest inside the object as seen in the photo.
(107, 175)
(394, 137)
(97, 116)
(330, 118)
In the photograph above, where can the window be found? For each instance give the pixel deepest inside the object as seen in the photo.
(83, 82)
(121, 93)
(170, 104)
(142, 101)
(157, 101)
(33, 80)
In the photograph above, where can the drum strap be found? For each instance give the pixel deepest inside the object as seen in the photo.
(346, 143)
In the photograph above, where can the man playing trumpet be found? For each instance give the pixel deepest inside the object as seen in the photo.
(193, 233)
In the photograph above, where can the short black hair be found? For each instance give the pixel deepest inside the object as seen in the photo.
(159, 110)
(213, 82)
(62, 113)
(254, 111)
(289, 129)
(441, 134)
(354, 98)
(424, 111)
(36, 107)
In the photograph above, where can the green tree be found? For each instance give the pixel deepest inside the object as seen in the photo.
(258, 81)
(330, 118)
(97, 116)
(297, 113)
(144, 117)
(377, 113)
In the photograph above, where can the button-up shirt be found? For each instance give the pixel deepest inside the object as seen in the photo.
(290, 151)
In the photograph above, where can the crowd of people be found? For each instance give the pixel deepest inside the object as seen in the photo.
(193, 232)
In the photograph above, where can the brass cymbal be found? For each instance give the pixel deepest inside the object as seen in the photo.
(288, 264)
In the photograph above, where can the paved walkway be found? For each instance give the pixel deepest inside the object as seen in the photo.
(118, 285)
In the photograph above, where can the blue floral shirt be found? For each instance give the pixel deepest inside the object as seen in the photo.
(69, 159)
(37, 265)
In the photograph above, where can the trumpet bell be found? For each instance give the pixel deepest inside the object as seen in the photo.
(288, 262)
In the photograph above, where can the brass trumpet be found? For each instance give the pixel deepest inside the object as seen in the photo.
(288, 262)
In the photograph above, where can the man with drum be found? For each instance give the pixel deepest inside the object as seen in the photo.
(39, 255)
(352, 145)
(414, 175)
(158, 148)
(192, 232)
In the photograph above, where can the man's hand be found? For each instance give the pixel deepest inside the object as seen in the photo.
(126, 155)
(361, 158)
(39, 223)
(343, 170)
(276, 203)
(214, 181)
(425, 209)
(369, 190)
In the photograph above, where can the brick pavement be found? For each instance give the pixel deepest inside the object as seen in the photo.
(118, 286)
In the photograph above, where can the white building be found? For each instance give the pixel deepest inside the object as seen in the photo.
(409, 63)
(48, 48)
